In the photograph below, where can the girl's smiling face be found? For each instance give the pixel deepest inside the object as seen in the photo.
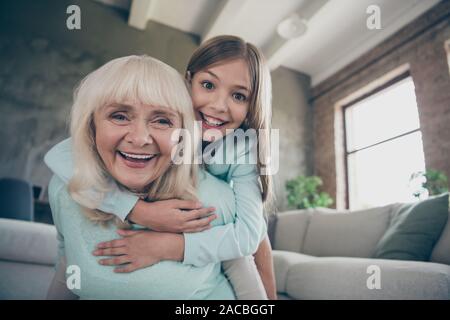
(134, 141)
(220, 95)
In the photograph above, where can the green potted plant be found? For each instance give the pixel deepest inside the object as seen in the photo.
(433, 182)
(302, 193)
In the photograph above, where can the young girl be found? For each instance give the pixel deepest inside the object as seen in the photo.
(230, 87)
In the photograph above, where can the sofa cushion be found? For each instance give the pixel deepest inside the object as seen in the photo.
(282, 261)
(346, 234)
(25, 241)
(272, 219)
(414, 230)
(291, 230)
(441, 250)
(24, 280)
(349, 278)
(283, 296)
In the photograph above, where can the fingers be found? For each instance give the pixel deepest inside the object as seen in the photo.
(115, 261)
(118, 242)
(111, 251)
(127, 268)
(199, 223)
(112, 244)
(127, 233)
(200, 213)
(188, 204)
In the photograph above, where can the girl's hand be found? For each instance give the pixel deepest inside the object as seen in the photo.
(172, 215)
(140, 249)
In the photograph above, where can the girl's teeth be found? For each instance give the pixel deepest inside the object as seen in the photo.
(136, 156)
(212, 122)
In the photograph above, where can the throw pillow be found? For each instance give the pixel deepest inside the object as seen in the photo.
(414, 230)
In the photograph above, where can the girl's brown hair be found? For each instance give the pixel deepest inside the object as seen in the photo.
(225, 48)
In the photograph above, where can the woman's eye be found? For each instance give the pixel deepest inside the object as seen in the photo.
(208, 85)
(163, 122)
(239, 97)
(119, 117)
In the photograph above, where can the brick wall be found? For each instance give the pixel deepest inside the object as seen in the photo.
(418, 47)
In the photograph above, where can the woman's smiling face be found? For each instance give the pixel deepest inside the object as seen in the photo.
(134, 141)
(220, 95)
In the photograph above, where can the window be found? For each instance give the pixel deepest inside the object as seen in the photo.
(383, 145)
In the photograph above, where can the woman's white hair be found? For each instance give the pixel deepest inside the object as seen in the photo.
(131, 78)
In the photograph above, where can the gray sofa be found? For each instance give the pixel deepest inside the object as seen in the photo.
(28, 253)
(318, 254)
(325, 254)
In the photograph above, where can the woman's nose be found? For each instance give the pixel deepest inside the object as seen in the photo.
(139, 134)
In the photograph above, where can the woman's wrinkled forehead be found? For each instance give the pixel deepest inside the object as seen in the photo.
(141, 88)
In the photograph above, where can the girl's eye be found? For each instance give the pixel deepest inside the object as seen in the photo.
(239, 97)
(120, 117)
(208, 85)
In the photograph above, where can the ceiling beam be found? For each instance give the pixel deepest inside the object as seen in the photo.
(219, 22)
(139, 13)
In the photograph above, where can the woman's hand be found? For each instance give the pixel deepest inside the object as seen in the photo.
(140, 249)
(172, 215)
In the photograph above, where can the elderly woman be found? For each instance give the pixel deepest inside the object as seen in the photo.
(123, 123)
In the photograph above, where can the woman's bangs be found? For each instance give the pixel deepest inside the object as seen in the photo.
(139, 81)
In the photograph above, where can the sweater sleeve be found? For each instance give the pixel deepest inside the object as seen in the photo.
(54, 189)
(239, 238)
(60, 161)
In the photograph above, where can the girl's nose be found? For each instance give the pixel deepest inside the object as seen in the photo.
(139, 134)
(220, 104)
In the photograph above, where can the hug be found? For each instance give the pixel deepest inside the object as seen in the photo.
(140, 226)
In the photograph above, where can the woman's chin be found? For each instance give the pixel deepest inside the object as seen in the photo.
(132, 180)
(134, 185)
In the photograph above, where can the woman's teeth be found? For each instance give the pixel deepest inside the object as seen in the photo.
(211, 121)
(137, 156)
